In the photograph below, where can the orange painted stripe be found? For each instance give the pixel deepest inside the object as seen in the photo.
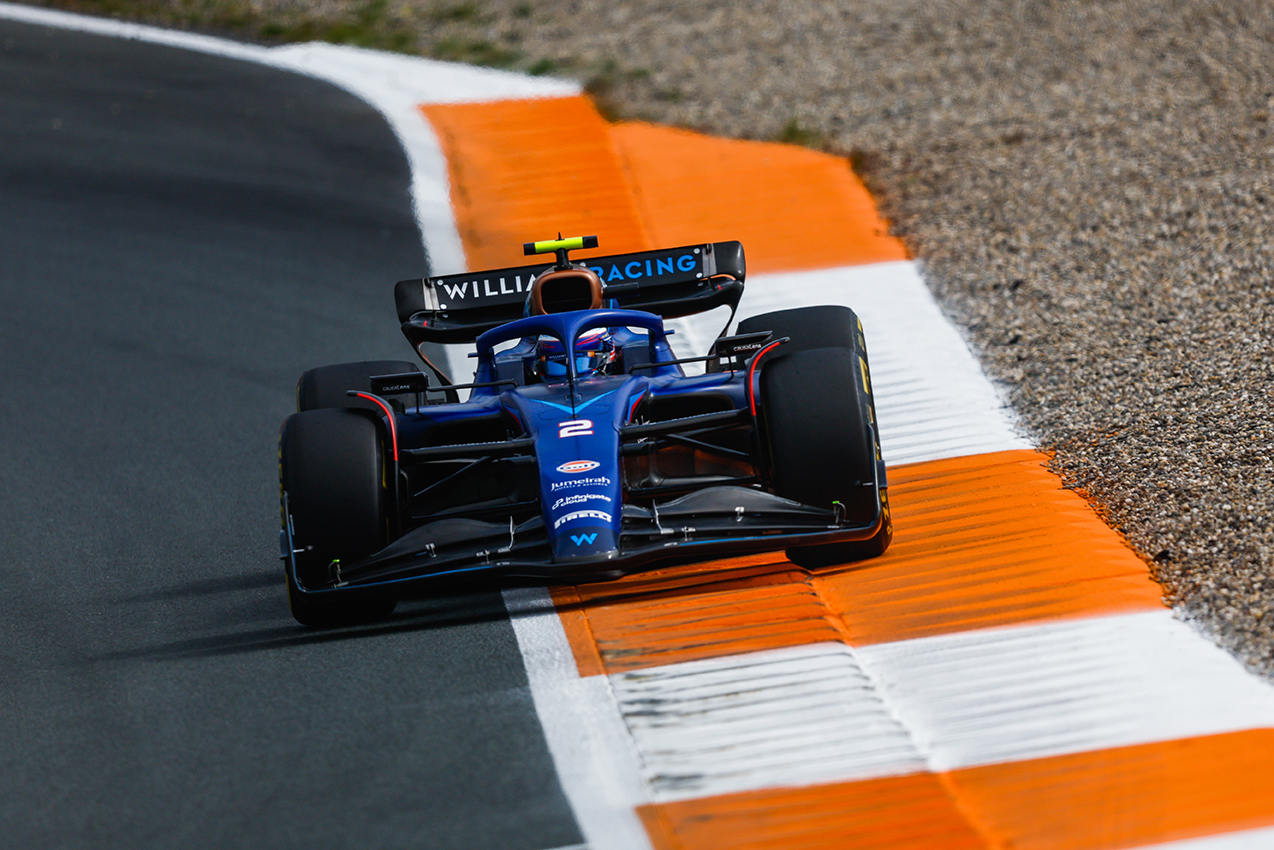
(897, 813)
(579, 632)
(527, 169)
(792, 208)
(523, 170)
(706, 610)
(1126, 797)
(1117, 798)
(981, 541)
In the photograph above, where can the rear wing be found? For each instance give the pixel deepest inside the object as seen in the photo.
(671, 282)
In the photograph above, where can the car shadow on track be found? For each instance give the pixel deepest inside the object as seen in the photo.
(209, 587)
(455, 608)
(261, 622)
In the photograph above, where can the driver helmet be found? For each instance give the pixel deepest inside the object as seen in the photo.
(594, 355)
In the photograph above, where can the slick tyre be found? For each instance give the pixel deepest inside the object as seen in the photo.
(332, 468)
(328, 386)
(816, 420)
(810, 327)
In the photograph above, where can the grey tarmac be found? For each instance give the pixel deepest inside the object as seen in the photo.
(180, 236)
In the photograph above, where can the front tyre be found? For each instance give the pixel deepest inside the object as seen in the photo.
(332, 466)
(827, 326)
(328, 386)
(816, 423)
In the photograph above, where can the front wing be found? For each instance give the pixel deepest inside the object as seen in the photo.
(713, 522)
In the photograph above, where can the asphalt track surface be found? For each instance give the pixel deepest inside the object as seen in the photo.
(180, 236)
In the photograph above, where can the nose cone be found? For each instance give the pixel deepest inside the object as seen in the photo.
(585, 541)
(581, 490)
(582, 505)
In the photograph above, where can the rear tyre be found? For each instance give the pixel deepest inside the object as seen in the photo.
(332, 467)
(327, 386)
(816, 417)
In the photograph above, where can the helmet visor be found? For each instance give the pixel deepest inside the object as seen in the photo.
(586, 363)
(592, 354)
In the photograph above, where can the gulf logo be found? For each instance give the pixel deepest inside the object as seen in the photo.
(575, 466)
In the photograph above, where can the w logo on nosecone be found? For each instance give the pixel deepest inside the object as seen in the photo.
(581, 539)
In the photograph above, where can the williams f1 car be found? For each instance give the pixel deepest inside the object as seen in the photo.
(584, 451)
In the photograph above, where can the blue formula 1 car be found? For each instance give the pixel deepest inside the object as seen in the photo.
(584, 451)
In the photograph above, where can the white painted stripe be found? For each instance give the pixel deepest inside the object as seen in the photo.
(794, 716)
(828, 713)
(422, 81)
(1027, 692)
(932, 397)
(594, 754)
(1250, 839)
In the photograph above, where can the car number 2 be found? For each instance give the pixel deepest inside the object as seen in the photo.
(575, 428)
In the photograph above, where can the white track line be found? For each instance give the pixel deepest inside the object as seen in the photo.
(596, 761)
(1028, 692)
(796, 716)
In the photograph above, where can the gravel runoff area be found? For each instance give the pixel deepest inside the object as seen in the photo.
(1087, 184)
